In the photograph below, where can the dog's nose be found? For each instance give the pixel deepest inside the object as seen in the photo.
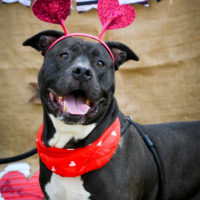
(80, 72)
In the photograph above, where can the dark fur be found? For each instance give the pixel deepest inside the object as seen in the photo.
(131, 174)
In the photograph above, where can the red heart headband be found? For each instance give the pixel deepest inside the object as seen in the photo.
(111, 14)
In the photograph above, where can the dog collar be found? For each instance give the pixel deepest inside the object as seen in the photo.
(75, 162)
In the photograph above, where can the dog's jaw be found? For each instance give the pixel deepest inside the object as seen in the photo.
(74, 108)
(64, 132)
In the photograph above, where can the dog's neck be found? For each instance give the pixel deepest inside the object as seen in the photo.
(65, 133)
(58, 134)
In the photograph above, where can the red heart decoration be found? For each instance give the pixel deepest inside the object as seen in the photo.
(15, 186)
(52, 11)
(113, 15)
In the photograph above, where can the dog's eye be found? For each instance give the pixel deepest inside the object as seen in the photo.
(64, 56)
(100, 64)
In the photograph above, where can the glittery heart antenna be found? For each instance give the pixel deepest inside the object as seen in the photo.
(112, 16)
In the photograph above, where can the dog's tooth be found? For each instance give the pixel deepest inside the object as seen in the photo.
(59, 99)
(87, 101)
(65, 108)
(51, 96)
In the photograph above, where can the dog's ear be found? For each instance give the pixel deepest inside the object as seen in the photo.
(43, 40)
(121, 53)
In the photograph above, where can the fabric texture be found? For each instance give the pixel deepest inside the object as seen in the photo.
(86, 5)
(142, 2)
(23, 2)
(51, 11)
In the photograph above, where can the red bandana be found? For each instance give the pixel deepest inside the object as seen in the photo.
(75, 162)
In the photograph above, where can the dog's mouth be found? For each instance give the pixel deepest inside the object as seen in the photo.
(74, 104)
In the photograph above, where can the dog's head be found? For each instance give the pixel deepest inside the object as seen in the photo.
(77, 80)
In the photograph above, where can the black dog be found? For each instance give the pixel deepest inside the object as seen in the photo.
(83, 72)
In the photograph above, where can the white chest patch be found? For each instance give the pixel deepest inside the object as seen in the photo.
(64, 132)
(64, 188)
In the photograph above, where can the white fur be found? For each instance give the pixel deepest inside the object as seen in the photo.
(66, 188)
(62, 188)
(64, 132)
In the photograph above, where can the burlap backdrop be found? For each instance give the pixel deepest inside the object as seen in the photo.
(163, 86)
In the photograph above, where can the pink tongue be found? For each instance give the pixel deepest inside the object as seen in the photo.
(76, 105)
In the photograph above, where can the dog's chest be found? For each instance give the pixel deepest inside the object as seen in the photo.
(64, 188)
